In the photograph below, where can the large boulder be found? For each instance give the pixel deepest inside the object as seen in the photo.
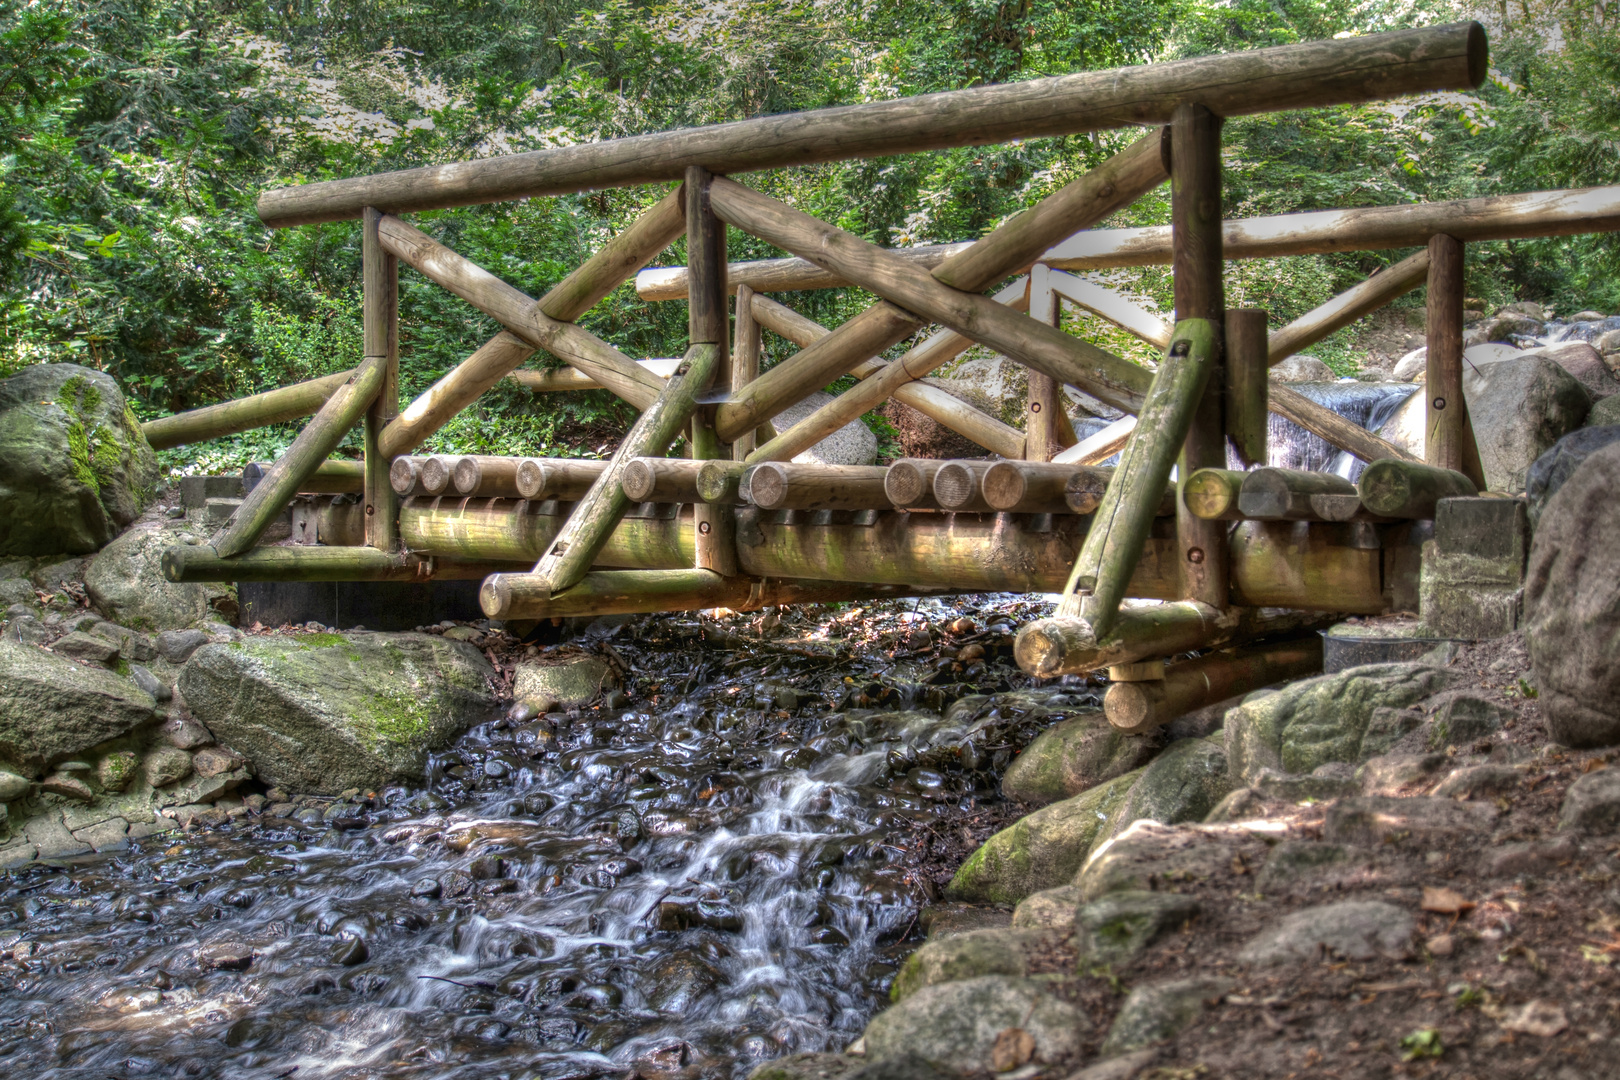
(326, 712)
(125, 580)
(1310, 723)
(1572, 605)
(954, 957)
(1040, 851)
(956, 1025)
(1072, 756)
(1584, 363)
(52, 708)
(1552, 469)
(1519, 407)
(74, 466)
(852, 444)
(1182, 784)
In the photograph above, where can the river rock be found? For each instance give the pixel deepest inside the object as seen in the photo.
(1553, 469)
(326, 713)
(955, 957)
(116, 771)
(567, 682)
(51, 707)
(1049, 909)
(1352, 930)
(74, 467)
(132, 644)
(1411, 366)
(1592, 803)
(12, 786)
(166, 765)
(1605, 413)
(1584, 363)
(1182, 784)
(809, 1066)
(1463, 717)
(1040, 851)
(176, 646)
(1413, 821)
(1149, 856)
(852, 444)
(1302, 368)
(91, 648)
(1153, 1014)
(955, 1025)
(1115, 927)
(1314, 721)
(1072, 756)
(1572, 605)
(126, 581)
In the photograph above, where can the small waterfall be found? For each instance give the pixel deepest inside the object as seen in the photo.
(1586, 330)
(1366, 404)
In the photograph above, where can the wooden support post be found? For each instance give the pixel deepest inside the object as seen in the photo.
(1285, 494)
(1098, 582)
(1450, 437)
(1138, 707)
(379, 275)
(1200, 293)
(1043, 402)
(1405, 489)
(707, 324)
(788, 486)
(1247, 414)
(745, 361)
(592, 521)
(662, 480)
(312, 446)
(243, 414)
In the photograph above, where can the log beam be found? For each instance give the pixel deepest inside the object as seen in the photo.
(379, 275)
(243, 414)
(1285, 494)
(1406, 489)
(1136, 708)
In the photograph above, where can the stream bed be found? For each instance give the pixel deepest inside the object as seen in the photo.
(725, 867)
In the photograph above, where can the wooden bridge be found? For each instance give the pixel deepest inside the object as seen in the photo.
(1241, 560)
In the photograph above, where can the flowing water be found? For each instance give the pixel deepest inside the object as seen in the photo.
(681, 889)
(1365, 404)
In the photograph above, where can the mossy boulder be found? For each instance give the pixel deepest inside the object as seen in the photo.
(322, 713)
(52, 708)
(1041, 851)
(126, 581)
(1312, 722)
(971, 955)
(74, 466)
(955, 1024)
(1072, 756)
(1182, 784)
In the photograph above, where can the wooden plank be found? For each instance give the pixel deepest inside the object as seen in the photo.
(1371, 67)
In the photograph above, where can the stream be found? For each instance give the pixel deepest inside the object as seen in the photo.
(723, 870)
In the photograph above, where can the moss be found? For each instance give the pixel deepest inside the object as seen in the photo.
(399, 720)
(322, 641)
(123, 667)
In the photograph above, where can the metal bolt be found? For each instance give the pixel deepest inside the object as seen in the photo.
(370, 510)
(1195, 555)
(1439, 403)
(703, 528)
(1034, 406)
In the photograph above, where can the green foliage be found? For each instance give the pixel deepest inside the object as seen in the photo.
(135, 136)
(1422, 1043)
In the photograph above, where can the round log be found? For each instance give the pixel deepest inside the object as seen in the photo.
(1064, 645)
(334, 476)
(662, 480)
(721, 482)
(1139, 707)
(243, 414)
(1285, 494)
(437, 474)
(909, 484)
(778, 485)
(1406, 489)
(1039, 487)
(1213, 494)
(405, 476)
(490, 477)
(957, 486)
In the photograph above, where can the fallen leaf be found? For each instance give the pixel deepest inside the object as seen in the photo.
(1593, 765)
(1444, 901)
(1013, 1047)
(1541, 1018)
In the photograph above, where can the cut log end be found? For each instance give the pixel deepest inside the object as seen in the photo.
(767, 487)
(956, 486)
(638, 480)
(1043, 648)
(719, 482)
(909, 482)
(531, 478)
(403, 474)
(437, 474)
(467, 475)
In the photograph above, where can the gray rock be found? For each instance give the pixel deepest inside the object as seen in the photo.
(1309, 723)
(1479, 780)
(15, 591)
(1325, 783)
(132, 645)
(166, 765)
(1072, 756)
(955, 1024)
(52, 839)
(1386, 727)
(1584, 363)
(52, 576)
(126, 581)
(1464, 717)
(1572, 605)
(1592, 803)
(1154, 1014)
(337, 712)
(1554, 468)
(944, 920)
(91, 648)
(51, 708)
(26, 630)
(1372, 820)
(1410, 366)
(1049, 909)
(1391, 774)
(1605, 413)
(216, 761)
(117, 770)
(109, 835)
(1114, 928)
(186, 733)
(1293, 864)
(17, 853)
(1516, 860)
(176, 646)
(1184, 783)
(1242, 804)
(1352, 930)
(1150, 857)
(852, 444)
(74, 467)
(1040, 851)
(68, 785)
(575, 680)
(142, 677)
(1302, 368)
(811, 1066)
(969, 956)
(12, 786)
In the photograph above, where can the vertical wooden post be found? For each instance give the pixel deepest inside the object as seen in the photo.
(1044, 402)
(744, 361)
(707, 324)
(1200, 293)
(380, 328)
(1450, 437)
(1247, 383)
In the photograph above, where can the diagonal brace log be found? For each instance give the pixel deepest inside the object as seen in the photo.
(312, 447)
(1122, 522)
(594, 517)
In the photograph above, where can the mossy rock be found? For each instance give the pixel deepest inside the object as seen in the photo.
(1182, 784)
(1041, 851)
(325, 713)
(126, 581)
(968, 956)
(74, 466)
(1309, 723)
(52, 708)
(1073, 756)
